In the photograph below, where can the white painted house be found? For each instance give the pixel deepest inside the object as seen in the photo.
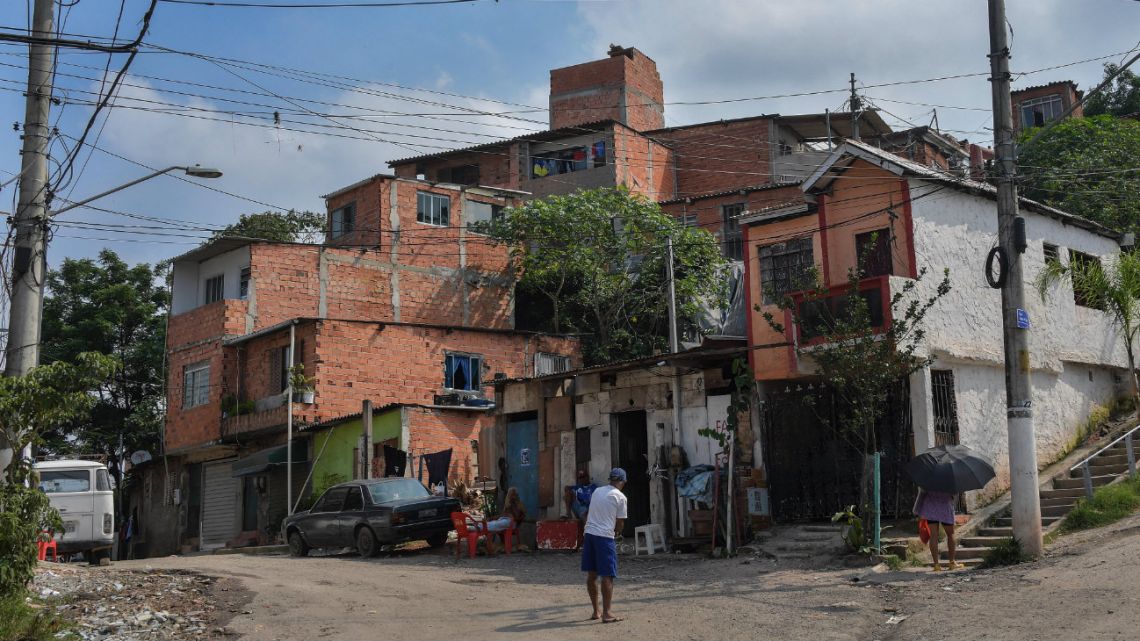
(926, 219)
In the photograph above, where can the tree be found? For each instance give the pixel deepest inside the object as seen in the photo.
(1087, 167)
(1120, 98)
(1115, 290)
(596, 258)
(108, 307)
(284, 227)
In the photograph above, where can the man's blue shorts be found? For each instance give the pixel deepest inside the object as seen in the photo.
(599, 554)
(579, 509)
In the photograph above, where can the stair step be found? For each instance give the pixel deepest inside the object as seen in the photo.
(1111, 458)
(981, 541)
(1055, 511)
(1005, 521)
(1112, 469)
(968, 563)
(1075, 493)
(1063, 501)
(818, 537)
(1079, 483)
(998, 531)
(832, 529)
(964, 553)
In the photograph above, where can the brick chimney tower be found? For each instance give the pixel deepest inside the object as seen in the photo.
(624, 86)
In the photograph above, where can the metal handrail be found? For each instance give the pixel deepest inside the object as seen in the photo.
(1128, 448)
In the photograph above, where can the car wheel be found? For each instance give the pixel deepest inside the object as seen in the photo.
(366, 543)
(297, 545)
(437, 540)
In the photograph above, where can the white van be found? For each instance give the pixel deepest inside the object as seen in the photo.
(81, 491)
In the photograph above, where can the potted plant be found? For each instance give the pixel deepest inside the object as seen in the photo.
(302, 385)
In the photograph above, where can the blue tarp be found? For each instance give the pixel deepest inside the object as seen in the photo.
(696, 483)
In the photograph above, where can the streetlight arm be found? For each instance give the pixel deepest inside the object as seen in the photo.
(119, 188)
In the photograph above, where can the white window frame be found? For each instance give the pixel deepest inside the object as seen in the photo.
(209, 289)
(433, 209)
(1055, 104)
(475, 370)
(195, 385)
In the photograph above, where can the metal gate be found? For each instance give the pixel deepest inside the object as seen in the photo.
(522, 462)
(945, 415)
(814, 471)
(220, 492)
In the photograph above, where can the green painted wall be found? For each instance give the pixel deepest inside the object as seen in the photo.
(335, 465)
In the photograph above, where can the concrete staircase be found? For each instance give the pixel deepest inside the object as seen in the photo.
(1058, 500)
(804, 544)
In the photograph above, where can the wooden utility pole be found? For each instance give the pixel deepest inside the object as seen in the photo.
(29, 263)
(1015, 321)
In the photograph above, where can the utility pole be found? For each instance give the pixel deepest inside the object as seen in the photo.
(674, 347)
(1015, 330)
(29, 264)
(856, 107)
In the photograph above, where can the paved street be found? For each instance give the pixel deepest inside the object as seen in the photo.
(1087, 586)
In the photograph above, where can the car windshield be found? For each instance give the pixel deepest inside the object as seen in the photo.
(397, 490)
(53, 482)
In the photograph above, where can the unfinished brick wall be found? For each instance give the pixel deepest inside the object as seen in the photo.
(644, 165)
(201, 424)
(498, 166)
(1066, 89)
(433, 430)
(624, 86)
(709, 211)
(717, 156)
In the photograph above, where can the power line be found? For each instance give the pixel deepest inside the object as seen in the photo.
(316, 5)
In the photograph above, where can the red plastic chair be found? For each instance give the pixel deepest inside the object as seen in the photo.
(467, 528)
(45, 542)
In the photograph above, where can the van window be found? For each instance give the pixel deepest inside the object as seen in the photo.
(102, 481)
(56, 481)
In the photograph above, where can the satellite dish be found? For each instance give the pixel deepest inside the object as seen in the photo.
(140, 457)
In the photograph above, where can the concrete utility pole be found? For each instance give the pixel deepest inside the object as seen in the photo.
(29, 264)
(1015, 330)
(856, 107)
(674, 347)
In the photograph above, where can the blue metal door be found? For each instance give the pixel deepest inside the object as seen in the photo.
(522, 462)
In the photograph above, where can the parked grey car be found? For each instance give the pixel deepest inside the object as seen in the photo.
(370, 513)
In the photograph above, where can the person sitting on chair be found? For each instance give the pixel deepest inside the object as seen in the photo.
(577, 497)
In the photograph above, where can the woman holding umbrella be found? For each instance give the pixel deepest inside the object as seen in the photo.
(941, 473)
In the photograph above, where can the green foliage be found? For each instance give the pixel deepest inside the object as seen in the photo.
(109, 307)
(1119, 98)
(47, 396)
(1087, 167)
(1115, 289)
(1006, 552)
(595, 259)
(893, 562)
(1108, 505)
(283, 227)
(25, 512)
(298, 380)
(853, 534)
(20, 621)
(743, 382)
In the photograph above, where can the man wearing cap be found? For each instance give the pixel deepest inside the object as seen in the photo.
(599, 551)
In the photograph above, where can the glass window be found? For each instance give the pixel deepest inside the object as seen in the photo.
(478, 212)
(331, 500)
(873, 251)
(1035, 112)
(195, 385)
(396, 490)
(785, 267)
(243, 284)
(354, 502)
(433, 209)
(687, 220)
(733, 238)
(102, 481)
(343, 220)
(215, 288)
(59, 481)
(462, 371)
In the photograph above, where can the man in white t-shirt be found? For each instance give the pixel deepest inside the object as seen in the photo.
(604, 521)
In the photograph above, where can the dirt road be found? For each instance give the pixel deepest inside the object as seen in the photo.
(1086, 587)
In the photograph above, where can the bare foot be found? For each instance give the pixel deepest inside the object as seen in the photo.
(595, 616)
(611, 619)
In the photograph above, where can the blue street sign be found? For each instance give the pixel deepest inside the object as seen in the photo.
(1022, 319)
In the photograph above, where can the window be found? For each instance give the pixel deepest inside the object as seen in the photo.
(461, 175)
(732, 238)
(477, 212)
(343, 220)
(354, 502)
(58, 481)
(1080, 263)
(462, 372)
(331, 500)
(195, 385)
(1035, 112)
(243, 284)
(545, 363)
(389, 491)
(433, 209)
(1052, 254)
(102, 481)
(687, 220)
(215, 288)
(873, 251)
(785, 267)
(279, 366)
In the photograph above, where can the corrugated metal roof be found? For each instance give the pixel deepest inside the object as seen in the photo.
(728, 192)
(339, 420)
(538, 136)
(709, 349)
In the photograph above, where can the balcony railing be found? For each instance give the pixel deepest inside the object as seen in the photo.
(818, 316)
(255, 421)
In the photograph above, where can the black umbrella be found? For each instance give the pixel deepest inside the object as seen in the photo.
(951, 469)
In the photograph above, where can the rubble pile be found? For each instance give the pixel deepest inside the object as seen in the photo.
(106, 604)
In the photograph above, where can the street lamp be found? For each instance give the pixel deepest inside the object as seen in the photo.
(196, 171)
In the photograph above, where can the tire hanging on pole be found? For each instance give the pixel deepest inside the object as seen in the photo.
(997, 282)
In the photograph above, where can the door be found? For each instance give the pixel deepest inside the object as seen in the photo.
(945, 415)
(220, 492)
(321, 526)
(350, 514)
(522, 462)
(248, 503)
(633, 457)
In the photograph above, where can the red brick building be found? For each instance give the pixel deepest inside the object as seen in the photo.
(402, 304)
(1035, 106)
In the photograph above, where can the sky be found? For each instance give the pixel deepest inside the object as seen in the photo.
(294, 103)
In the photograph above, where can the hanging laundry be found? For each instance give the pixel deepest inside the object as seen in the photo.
(599, 153)
(395, 461)
(438, 465)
